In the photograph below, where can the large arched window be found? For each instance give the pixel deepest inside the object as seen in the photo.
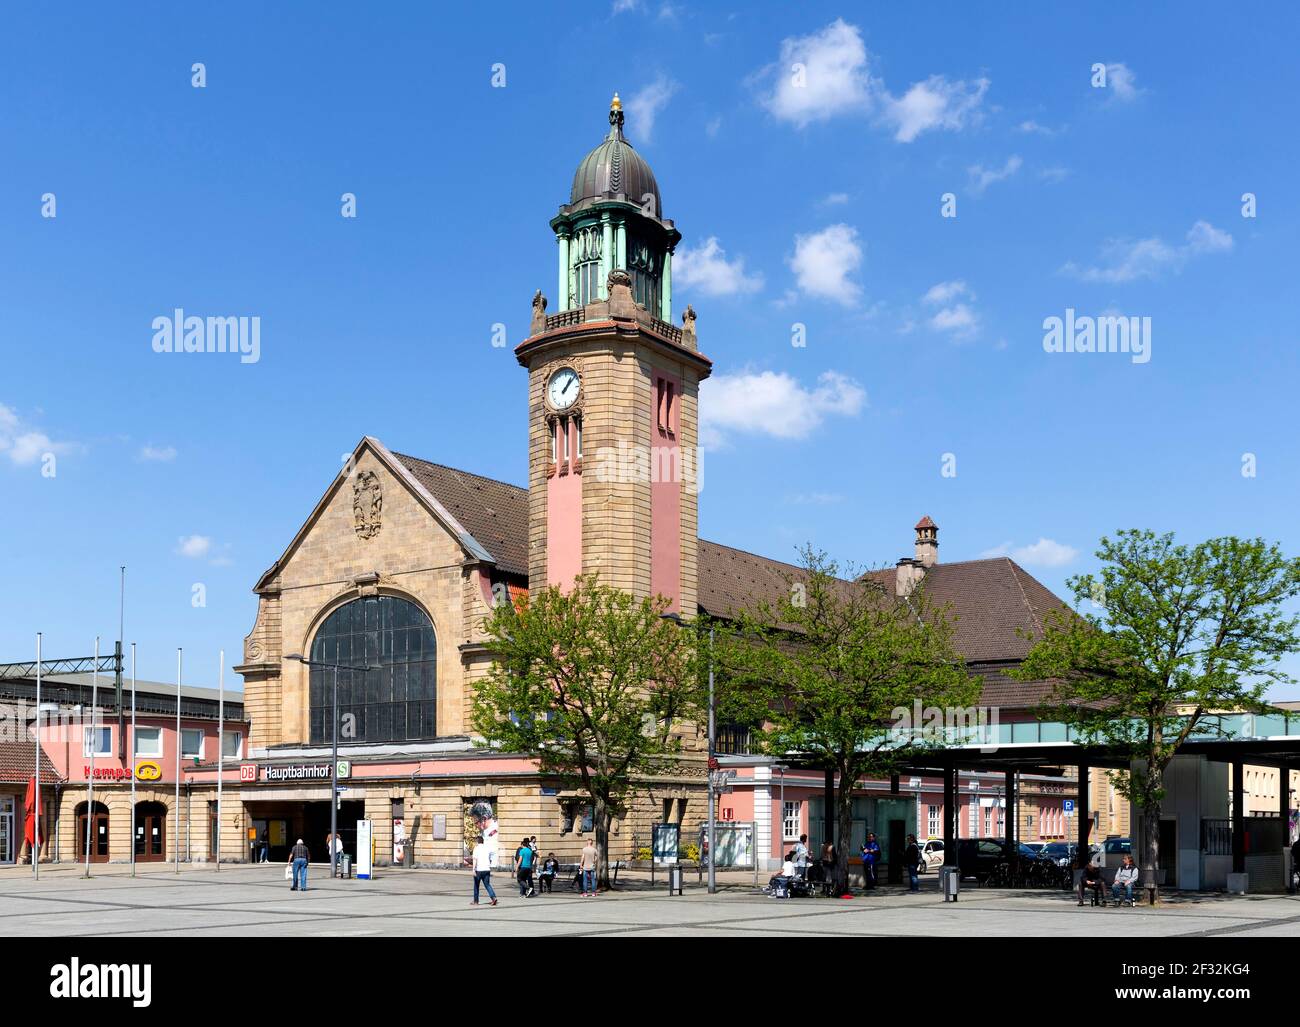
(396, 700)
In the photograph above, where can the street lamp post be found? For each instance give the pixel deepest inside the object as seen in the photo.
(334, 759)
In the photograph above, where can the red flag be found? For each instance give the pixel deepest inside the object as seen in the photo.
(29, 804)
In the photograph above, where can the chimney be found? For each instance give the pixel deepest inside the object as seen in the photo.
(927, 542)
(907, 575)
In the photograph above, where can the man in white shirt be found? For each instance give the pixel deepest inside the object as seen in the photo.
(1125, 877)
(482, 860)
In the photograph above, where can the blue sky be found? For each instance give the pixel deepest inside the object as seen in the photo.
(815, 204)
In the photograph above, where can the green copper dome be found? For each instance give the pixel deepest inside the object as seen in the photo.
(614, 168)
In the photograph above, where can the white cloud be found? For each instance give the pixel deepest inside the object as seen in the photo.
(828, 73)
(621, 6)
(823, 261)
(161, 454)
(706, 268)
(835, 199)
(1122, 82)
(712, 125)
(194, 546)
(935, 103)
(981, 177)
(1054, 174)
(23, 444)
(947, 291)
(1043, 553)
(1033, 127)
(1127, 260)
(774, 404)
(821, 75)
(959, 320)
(955, 318)
(644, 106)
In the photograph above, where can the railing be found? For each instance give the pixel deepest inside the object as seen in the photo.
(566, 318)
(667, 330)
(1216, 837)
(731, 740)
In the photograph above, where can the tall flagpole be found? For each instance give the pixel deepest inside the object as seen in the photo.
(36, 832)
(133, 759)
(94, 744)
(221, 742)
(176, 842)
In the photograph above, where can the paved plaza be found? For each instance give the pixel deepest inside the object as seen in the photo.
(255, 900)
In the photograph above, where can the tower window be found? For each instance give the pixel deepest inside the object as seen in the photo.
(586, 265)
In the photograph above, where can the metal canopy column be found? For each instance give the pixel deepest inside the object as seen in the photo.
(1238, 821)
(1085, 811)
(949, 816)
(1013, 822)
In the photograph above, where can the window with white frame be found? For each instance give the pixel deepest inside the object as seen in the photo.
(932, 822)
(148, 741)
(192, 743)
(790, 822)
(101, 735)
(232, 744)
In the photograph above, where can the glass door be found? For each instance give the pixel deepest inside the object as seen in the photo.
(7, 829)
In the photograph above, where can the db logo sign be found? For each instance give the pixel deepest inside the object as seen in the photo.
(248, 772)
(148, 771)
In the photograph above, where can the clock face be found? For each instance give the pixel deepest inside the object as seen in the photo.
(562, 389)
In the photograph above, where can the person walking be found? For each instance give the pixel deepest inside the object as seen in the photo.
(870, 856)
(264, 847)
(481, 859)
(523, 860)
(912, 860)
(298, 859)
(588, 867)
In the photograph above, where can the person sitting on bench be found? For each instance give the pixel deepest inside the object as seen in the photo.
(1125, 878)
(1093, 881)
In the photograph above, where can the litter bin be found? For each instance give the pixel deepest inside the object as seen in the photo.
(345, 862)
(675, 880)
(950, 883)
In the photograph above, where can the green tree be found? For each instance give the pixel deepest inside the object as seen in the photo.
(829, 669)
(1185, 632)
(591, 683)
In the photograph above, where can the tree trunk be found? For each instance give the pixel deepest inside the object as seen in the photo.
(601, 820)
(844, 831)
(1151, 837)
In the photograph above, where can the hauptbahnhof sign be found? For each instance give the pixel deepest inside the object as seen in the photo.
(249, 772)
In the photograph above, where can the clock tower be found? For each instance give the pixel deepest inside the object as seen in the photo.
(613, 385)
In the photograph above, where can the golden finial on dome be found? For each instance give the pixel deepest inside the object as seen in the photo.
(616, 104)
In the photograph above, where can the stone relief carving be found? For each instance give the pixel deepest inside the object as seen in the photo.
(367, 504)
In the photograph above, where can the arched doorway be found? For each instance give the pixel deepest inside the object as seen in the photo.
(150, 832)
(396, 699)
(98, 827)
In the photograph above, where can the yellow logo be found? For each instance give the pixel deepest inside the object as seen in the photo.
(149, 771)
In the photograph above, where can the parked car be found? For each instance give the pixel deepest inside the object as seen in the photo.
(1060, 853)
(931, 854)
(1113, 851)
(1036, 847)
(976, 857)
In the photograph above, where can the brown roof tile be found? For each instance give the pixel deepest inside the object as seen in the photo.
(494, 512)
(17, 765)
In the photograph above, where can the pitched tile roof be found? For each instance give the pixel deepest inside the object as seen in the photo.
(17, 765)
(992, 601)
(494, 512)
